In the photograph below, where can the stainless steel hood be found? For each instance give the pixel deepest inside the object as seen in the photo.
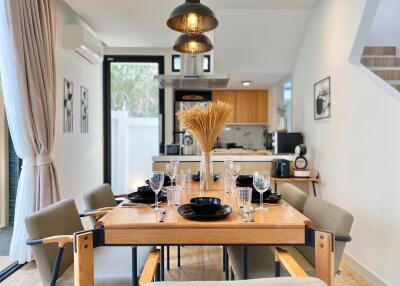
(192, 76)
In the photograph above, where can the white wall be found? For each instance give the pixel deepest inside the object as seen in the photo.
(78, 157)
(357, 149)
(385, 30)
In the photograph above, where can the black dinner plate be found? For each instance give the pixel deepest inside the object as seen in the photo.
(270, 199)
(135, 197)
(187, 212)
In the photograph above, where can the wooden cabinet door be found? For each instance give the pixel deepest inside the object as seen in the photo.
(262, 106)
(246, 101)
(228, 96)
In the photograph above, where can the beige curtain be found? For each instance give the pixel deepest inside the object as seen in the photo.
(27, 40)
(37, 37)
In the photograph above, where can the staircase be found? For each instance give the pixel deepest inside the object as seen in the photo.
(384, 63)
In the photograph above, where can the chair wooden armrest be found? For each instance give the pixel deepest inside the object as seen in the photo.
(60, 239)
(150, 267)
(290, 264)
(120, 196)
(96, 213)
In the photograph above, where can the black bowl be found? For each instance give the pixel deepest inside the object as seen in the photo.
(145, 191)
(244, 181)
(205, 205)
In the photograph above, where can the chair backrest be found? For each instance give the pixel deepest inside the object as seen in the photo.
(293, 195)
(327, 216)
(100, 197)
(61, 218)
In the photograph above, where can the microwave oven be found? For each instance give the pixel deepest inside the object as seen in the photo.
(286, 142)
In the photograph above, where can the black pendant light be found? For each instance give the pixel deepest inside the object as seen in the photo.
(193, 44)
(192, 17)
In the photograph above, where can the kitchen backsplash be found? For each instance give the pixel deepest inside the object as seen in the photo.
(248, 136)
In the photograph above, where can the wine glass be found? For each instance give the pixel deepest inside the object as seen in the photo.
(234, 171)
(261, 182)
(172, 169)
(156, 183)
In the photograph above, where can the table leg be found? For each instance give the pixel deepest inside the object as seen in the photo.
(83, 259)
(179, 255)
(134, 266)
(313, 186)
(168, 257)
(276, 187)
(226, 259)
(162, 264)
(324, 257)
(244, 262)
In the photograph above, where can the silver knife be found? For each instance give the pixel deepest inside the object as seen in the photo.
(162, 217)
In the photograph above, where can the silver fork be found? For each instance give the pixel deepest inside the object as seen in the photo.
(250, 216)
(242, 215)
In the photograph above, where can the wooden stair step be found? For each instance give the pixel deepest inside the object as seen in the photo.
(381, 61)
(379, 51)
(388, 74)
(396, 86)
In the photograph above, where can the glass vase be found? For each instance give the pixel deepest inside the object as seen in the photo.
(206, 172)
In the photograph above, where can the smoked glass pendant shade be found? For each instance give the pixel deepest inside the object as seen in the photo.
(193, 44)
(192, 17)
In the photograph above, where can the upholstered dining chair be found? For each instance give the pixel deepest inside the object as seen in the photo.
(299, 277)
(324, 215)
(50, 232)
(293, 196)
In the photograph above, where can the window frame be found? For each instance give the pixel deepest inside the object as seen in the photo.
(108, 60)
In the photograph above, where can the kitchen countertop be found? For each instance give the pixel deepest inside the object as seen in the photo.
(222, 158)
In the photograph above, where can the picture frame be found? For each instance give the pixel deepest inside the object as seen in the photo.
(322, 99)
(84, 109)
(68, 106)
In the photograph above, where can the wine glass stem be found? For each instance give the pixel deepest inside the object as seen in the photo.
(156, 200)
(261, 200)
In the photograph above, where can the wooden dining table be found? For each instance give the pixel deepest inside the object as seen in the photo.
(139, 225)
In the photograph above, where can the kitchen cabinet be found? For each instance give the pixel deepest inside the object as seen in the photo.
(250, 106)
(228, 96)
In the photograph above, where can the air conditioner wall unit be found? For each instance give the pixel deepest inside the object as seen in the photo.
(80, 40)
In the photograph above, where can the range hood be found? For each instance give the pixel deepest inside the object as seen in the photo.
(192, 76)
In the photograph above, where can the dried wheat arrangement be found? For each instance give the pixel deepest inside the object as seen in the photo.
(206, 123)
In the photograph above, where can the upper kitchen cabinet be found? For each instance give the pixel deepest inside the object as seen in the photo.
(250, 106)
(228, 96)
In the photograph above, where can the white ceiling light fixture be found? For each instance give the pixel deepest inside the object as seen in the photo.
(246, 83)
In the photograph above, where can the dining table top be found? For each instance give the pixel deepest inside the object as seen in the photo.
(141, 216)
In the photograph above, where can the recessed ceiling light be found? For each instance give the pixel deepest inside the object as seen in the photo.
(246, 83)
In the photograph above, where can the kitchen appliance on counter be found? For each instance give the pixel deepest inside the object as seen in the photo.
(286, 142)
(185, 99)
(173, 149)
(301, 163)
(281, 168)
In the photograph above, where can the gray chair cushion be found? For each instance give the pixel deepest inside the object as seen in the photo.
(61, 218)
(112, 266)
(293, 195)
(324, 215)
(308, 281)
(327, 216)
(100, 197)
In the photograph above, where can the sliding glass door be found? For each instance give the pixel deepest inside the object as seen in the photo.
(133, 119)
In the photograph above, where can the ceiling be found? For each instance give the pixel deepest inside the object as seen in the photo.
(142, 23)
(256, 40)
